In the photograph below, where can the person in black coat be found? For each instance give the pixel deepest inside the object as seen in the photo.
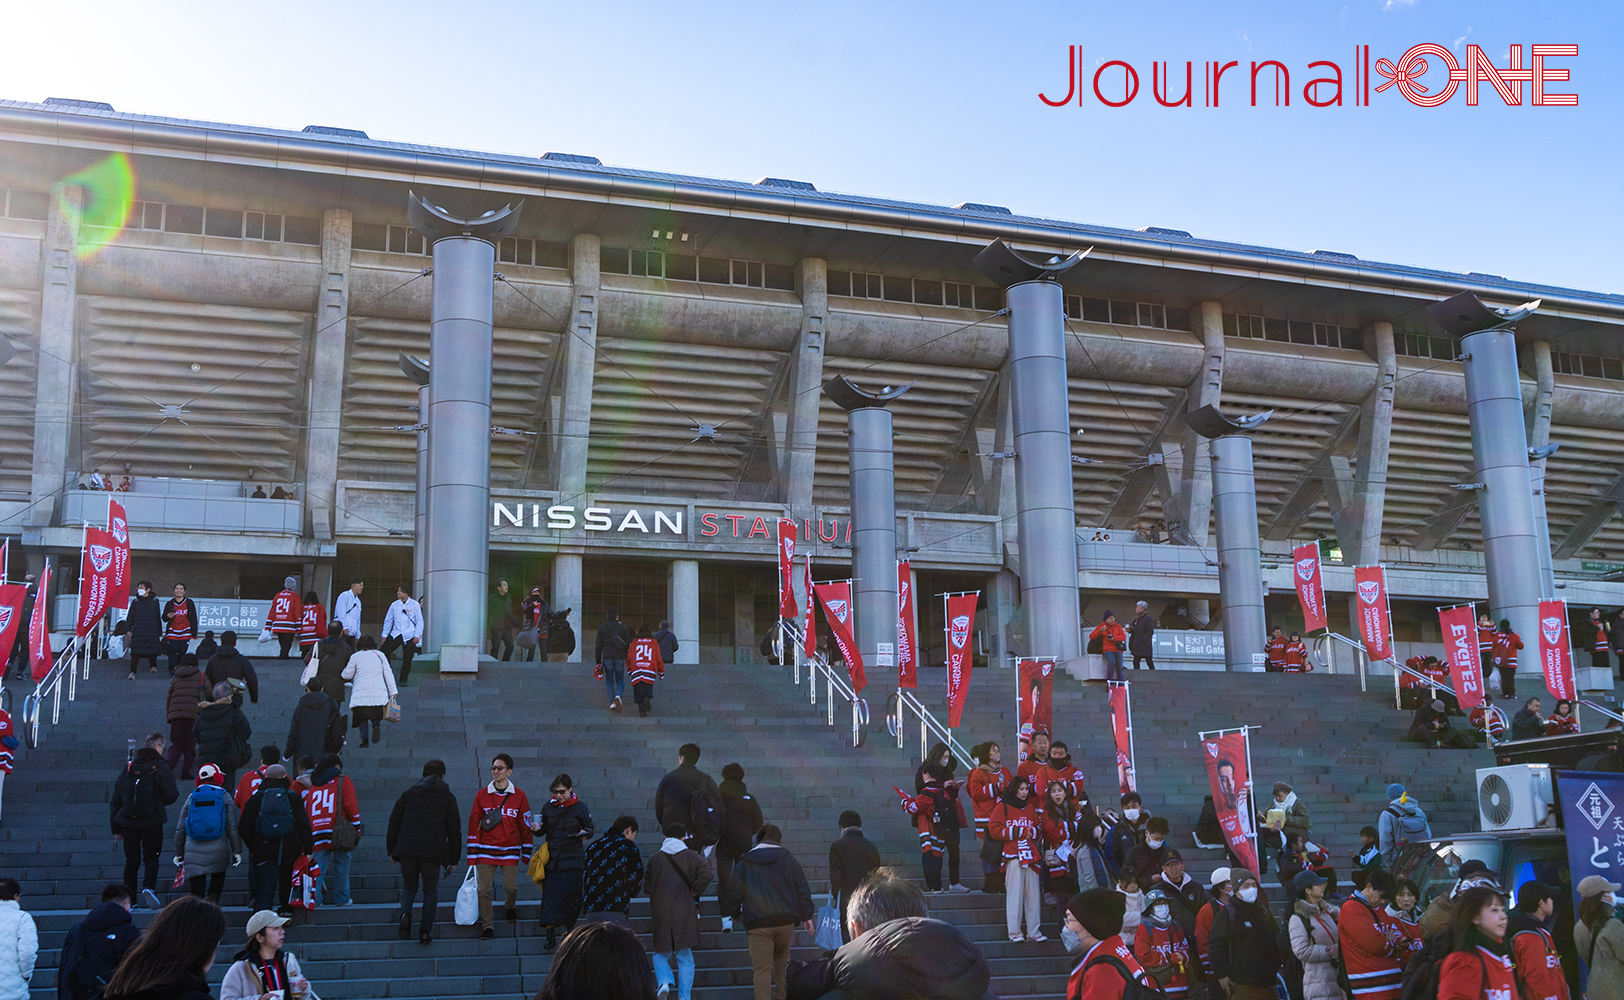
(425, 836)
(852, 858)
(317, 727)
(334, 652)
(229, 665)
(741, 818)
(1430, 726)
(1527, 723)
(94, 946)
(140, 793)
(668, 642)
(171, 960)
(222, 733)
(146, 628)
(273, 857)
(567, 824)
(1244, 947)
(770, 894)
(1141, 636)
(673, 799)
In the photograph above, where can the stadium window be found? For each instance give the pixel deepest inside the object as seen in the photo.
(403, 239)
(364, 236)
(897, 289)
(1277, 330)
(718, 271)
(262, 226)
(989, 299)
(186, 219)
(1178, 319)
(1124, 313)
(221, 222)
(27, 205)
(681, 267)
(1302, 333)
(927, 293)
(1151, 314)
(301, 229)
(507, 251)
(780, 276)
(957, 295)
(1096, 310)
(614, 260)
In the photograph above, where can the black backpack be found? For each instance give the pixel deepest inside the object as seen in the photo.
(275, 814)
(705, 815)
(1421, 974)
(238, 752)
(96, 963)
(1132, 988)
(142, 801)
(1291, 967)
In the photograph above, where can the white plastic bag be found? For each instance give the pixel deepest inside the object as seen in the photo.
(309, 670)
(466, 911)
(266, 635)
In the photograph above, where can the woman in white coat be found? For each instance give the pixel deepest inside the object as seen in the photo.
(374, 686)
(1314, 938)
(19, 943)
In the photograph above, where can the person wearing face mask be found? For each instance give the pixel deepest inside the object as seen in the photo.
(987, 783)
(1093, 929)
(1533, 949)
(1374, 951)
(1479, 967)
(1163, 947)
(1130, 832)
(1184, 893)
(1218, 895)
(1015, 822)
(1245, 953)
(1599, 936)
(1146, 858)
(1094, 865)
(1133, 903)
(146, 629)
(1059, 767)
(1312, 926)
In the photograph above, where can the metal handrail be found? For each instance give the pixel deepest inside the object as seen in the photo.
(1603, 709)
(67, 664)
(896, 723)
(790, 640)
(1323, 650)
(1399, 670)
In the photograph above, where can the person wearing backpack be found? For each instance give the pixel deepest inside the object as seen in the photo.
(95, 945)
(1599, 936)
(1108, 970)
(1401, 824)
(335, 824)
(206, 838)
(1164, 948)
(1314, 940)
(277, 832)
(140, 793)
(689, 796)
(567, 824)
(1479, 967)
(1245, 946)
(1533, 948)
(1374, 950)
(223, 733)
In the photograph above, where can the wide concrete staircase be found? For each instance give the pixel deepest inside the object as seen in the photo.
(1339, 748)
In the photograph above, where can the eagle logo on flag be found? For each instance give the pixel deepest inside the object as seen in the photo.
(1048, 668)
(960, 630)
(1305, 568)
(121, 531)
(1212, 749)
(5, 618)
(1552, 627)
(788, 542)
(1369, 590)
(839, 608)
(101, 557)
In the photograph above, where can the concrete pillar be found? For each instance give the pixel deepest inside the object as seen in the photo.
(1506, 502)
(1539, 435)
(55, 376)
(1003, 610)
(744, 623)
(1046, 519)
(1240, 568)
(420, 524)
(567, 592)
(580, 365)
(1358, 521)
(682, 597)
(808, 377)
(327, 357)
(1206, 390)
(874, 538)
(459, 420)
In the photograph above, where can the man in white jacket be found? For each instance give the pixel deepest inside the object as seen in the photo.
(347, 608)
(403, 630)
(19, 943)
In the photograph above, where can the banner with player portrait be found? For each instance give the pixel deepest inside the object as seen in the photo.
(1035, 699)
(1228, 755)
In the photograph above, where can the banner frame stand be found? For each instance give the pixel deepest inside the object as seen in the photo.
(1127, 707)
(1250, 819)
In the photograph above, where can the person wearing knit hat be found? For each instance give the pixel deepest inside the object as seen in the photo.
(1401, 824)
(1112, 639)
(1244, 950)
(286, 619)
(206, 837)
(276, 829)
(1094, 919)
(1218, 895)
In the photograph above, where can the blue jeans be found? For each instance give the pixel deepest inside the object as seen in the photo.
(1113, 664)
(614, 678)
(335, 873)
(684, 980)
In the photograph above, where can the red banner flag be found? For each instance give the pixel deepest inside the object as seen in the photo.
(788, 607)
(1231, 782)
(836, 598)
(1370, 585)
(961, 617)
(1035, 696)
(1459, 627)
(95, 574)
(1310, 591)
(39, 629)
(809, 642)
(1555, 650)
(12, 598)
(907, 662)
(1122, 734)
(118, 585)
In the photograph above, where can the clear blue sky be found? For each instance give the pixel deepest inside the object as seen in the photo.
(929, 102)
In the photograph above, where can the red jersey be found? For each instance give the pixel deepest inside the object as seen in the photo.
(182, 618)
(1561, 725)
(1157, 946)
(644, 662)
(1045, 774)
(1415, 663)
(1505, 649)
(1275, 652)
(1598, 642)
(1533, 953)
(248, 784)
(8, 742)
(1021, 832)
(1059, 830)
(322, 804)
(1095, 979)
(985, 787)
(1410, 930)
(1485, 639)
(508, 840)
(286, 612)
(312, 624)
(1488, 719)
(1372, 952)
(1297, 658)
(1480, 976)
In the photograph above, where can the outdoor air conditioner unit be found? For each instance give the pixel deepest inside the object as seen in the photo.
(1515, 798)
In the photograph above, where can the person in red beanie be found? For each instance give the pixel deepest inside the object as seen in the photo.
(1108, 964)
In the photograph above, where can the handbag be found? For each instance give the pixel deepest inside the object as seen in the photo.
(538, 864)
(345, 836)
(526, 639)
(826, 933)
(391, 712)
(992, 851)
(466, 911)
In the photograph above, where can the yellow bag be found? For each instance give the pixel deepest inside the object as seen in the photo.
(538, 864)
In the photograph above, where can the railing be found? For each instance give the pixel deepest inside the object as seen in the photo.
(897, 710)
(68, 664)
(1399, 670)
(790, 641)
(1325, 649)
(1602, 710)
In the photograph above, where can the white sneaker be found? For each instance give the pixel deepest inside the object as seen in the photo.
(1037, 936)
(150, 900)
(727, 923)
(956, 887)
(663, 990)
(1016, 938)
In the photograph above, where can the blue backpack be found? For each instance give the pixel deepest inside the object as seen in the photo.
(275, 814)
(206, 814)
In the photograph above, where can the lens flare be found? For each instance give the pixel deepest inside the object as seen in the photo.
(109, 194)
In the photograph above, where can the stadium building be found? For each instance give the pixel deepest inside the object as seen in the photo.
(218, 312)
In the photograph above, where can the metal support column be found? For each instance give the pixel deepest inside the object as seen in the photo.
(1240, 566)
